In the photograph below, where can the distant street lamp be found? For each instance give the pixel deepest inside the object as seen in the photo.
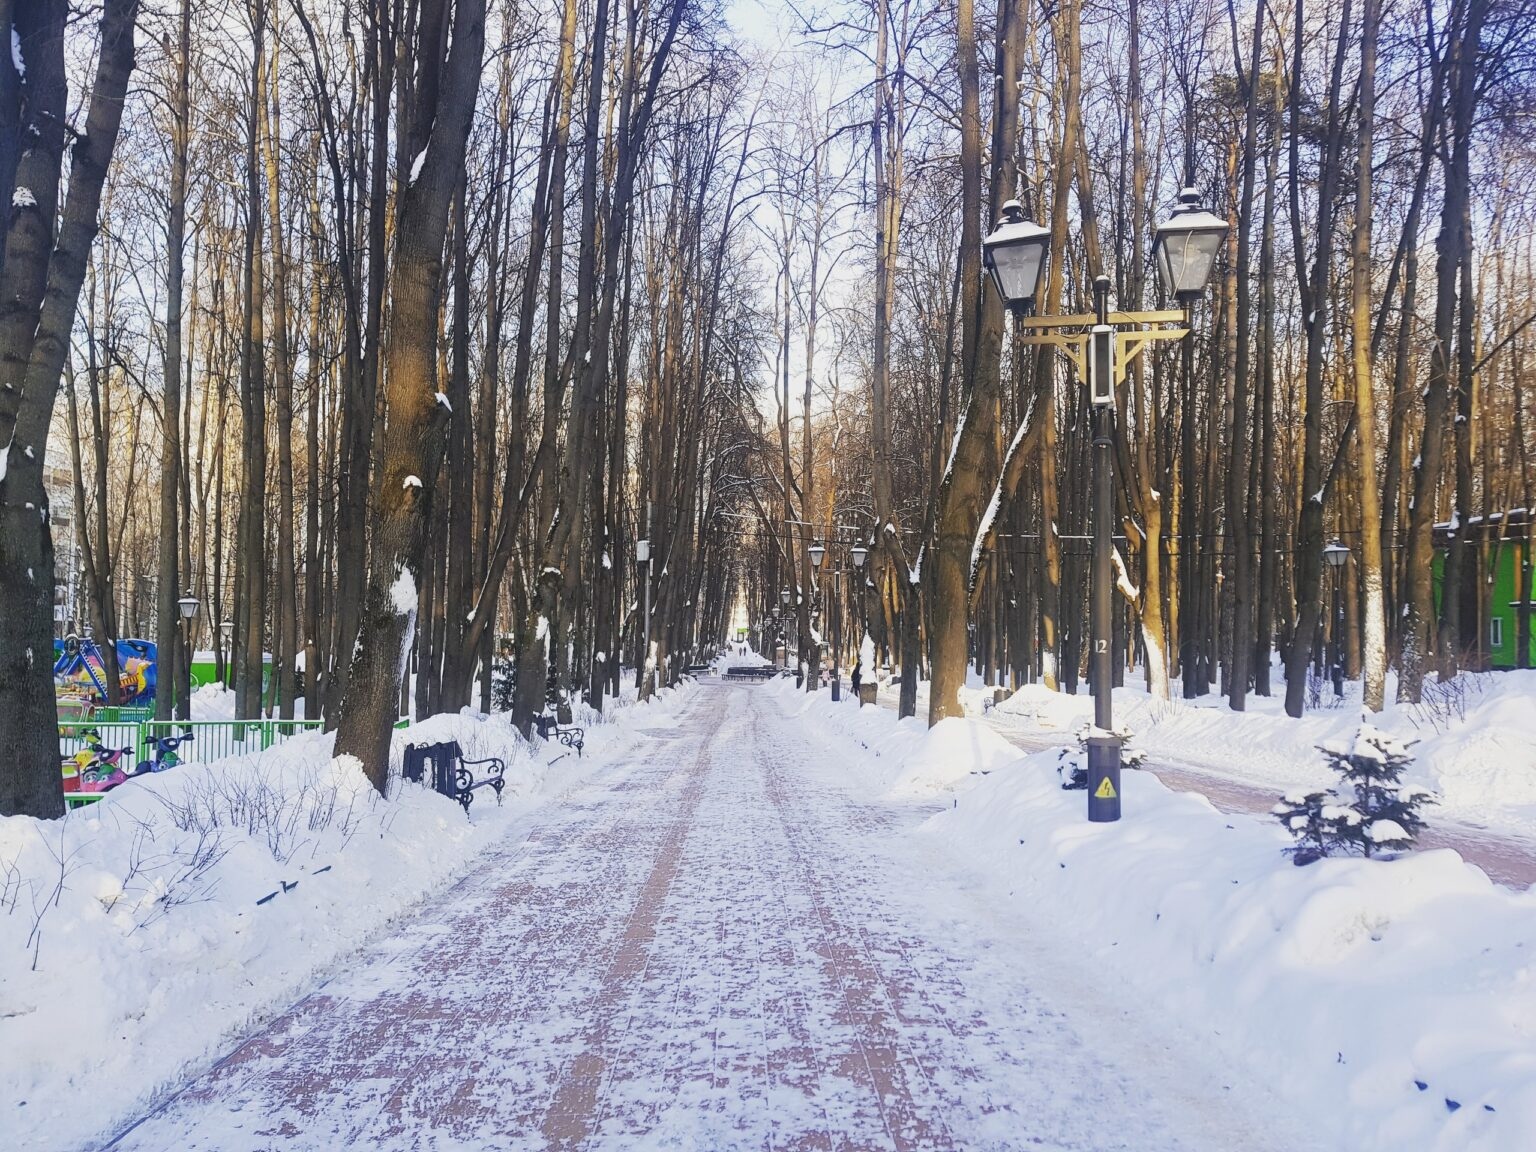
(1336, 555)
(1101, 346)
(859, 554)
(181, 688)
(784, 597)
(643, 558)
(818, 553)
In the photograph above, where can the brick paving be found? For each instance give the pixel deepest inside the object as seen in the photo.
(717, 944)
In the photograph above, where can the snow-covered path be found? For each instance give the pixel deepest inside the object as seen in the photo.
(727, 942)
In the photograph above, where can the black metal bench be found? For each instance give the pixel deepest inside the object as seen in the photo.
(698, 670)
(751, 672)
(452, 774)
(549, 729)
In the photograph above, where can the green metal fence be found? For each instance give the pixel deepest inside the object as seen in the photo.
(76, 735)
(218, 739)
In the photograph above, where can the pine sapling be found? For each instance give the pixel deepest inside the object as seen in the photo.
(1311, 820)
(1381, 812)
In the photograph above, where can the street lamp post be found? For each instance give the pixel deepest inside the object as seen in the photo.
(182, 690)
(818, 554)
(1336, 555)
(1101, 346)
(643, 558)
(227, 650)
(784, 595)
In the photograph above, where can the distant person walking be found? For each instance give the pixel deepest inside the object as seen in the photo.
(857, 677)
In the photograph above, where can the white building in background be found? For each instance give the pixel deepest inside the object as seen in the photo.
(59, 481)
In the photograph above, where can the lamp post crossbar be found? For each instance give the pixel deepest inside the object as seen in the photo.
(1041, 330)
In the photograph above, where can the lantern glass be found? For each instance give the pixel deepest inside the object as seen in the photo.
(784, 597)
(1335, 555)
(858, 554)
(1186, 247)
(818, 553)
(187, 606)
(1014, 254)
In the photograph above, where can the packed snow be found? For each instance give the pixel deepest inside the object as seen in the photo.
(140, 934)
(1388, 1000)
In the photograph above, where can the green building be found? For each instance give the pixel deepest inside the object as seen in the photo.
(1501, 542)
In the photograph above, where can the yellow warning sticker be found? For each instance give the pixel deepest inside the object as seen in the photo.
(1106, 790)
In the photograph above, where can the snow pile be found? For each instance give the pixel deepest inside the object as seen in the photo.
(949, 754)
(1473, 741)
(139, 935)
(1394, 1002)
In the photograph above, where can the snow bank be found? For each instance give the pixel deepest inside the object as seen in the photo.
(1473, 742)
(949, 754)
(1392, 1001)
(141, 934)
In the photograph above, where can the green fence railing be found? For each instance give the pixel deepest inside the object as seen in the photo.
(219, 739)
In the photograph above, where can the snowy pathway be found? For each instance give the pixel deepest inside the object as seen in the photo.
(723, 943)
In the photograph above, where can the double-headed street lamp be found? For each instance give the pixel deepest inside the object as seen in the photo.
(1101, 346)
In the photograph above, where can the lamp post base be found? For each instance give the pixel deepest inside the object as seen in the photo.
(1103, 779)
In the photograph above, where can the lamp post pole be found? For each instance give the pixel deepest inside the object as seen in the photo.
(1337, 630)
(1103, 745)
(837, 634)
(1335, 556)
(186, 607)
(643, 556)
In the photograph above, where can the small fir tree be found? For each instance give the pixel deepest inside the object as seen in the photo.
(1373, 812)
(1311, 820)
(1381, 812)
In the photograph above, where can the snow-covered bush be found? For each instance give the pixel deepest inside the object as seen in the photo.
(1384, 814)
(1305, 816)
(1073, 765)
(1373, 812)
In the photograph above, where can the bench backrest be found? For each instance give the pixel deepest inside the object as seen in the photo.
(444, 756)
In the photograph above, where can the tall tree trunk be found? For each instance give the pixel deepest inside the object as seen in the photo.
(172, 679)
(435, 128)
(1374, 622)
(1315, 298)
(40, 283)
(285, 609)
(1451, 248)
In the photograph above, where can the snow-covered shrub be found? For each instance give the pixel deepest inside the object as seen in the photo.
(1443, 703)
(1307, 817)
(1073, 765)
(1374, 810)
(1384, 812)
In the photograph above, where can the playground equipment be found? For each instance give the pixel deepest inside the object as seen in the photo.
(80, 670)
(95, 768)
(164, 755)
